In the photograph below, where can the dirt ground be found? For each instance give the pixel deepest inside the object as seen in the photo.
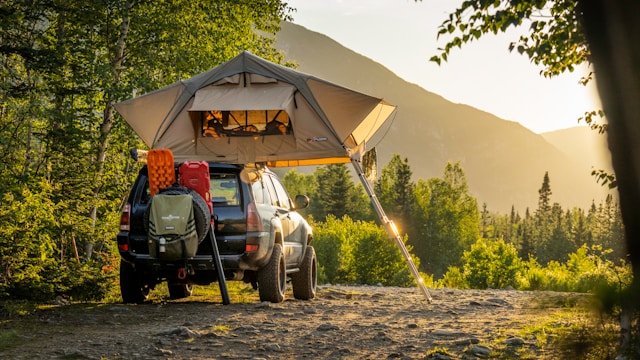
(343, 322)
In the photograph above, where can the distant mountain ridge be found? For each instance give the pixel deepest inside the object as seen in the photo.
(504, 162)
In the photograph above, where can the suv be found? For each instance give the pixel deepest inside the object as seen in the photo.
(261, 239)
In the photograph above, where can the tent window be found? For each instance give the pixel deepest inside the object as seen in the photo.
(245, 123)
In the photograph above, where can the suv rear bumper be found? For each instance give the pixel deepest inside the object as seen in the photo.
(136, 251)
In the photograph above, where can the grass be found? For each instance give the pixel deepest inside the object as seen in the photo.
(239, 293)
(571, 331)
(437, 351)
(8, 339)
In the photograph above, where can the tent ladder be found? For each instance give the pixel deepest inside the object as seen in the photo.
(391, 229)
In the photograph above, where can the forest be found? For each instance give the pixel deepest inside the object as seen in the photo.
(66, 166)
(456, 242)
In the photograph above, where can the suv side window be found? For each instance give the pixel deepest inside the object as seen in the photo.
(260, 193)
(272, 190)
(224, 189)
(283, 197)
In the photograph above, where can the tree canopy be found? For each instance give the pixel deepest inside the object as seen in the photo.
(555, 39)
(63, 67)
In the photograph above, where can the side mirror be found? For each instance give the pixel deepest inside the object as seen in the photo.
(301, 202)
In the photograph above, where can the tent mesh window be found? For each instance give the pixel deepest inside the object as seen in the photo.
(245, 123)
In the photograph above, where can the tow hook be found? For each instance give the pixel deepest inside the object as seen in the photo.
(182, 273)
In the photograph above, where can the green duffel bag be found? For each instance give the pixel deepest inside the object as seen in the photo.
(172, 227)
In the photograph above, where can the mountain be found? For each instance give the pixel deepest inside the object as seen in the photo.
(582, 145)
(504, 162)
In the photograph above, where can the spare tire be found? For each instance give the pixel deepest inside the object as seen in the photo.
(201, 213)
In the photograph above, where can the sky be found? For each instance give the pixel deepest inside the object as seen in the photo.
(402, 36)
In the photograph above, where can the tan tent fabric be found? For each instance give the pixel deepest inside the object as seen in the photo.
(329, 123)
(238, 97)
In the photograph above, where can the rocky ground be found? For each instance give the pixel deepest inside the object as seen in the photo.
(341, 323)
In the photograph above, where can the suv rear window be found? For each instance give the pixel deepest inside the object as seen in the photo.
(224, 189)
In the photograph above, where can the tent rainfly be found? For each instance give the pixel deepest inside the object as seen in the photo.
(250, 110)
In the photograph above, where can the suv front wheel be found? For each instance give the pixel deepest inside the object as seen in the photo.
(272, 279)
(305, 281)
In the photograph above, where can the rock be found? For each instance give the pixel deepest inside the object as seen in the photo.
(272, 347)
(498, 301)
(328, 327)
(75, 354)
(162, 352)
(514, 341)
(395, 356)
(247, 329)
(181, 331)
(341, 352)
(442, 332)
(480, 351)
(484, 303)
(469, 341)
(438, 356)
(381, 336)
(120, 308)
(263, 305)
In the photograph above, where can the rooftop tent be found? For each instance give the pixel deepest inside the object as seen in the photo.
(250, 110)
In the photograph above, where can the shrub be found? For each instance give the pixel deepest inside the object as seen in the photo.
(453, 278)
(492, 264)
(359, 252)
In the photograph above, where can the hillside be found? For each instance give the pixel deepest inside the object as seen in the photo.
(583, 145)
(504, 162)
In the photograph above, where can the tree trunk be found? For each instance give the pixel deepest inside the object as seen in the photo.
(613, 33)
(107, 119)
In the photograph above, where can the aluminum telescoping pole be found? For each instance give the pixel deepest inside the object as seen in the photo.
(391, 230)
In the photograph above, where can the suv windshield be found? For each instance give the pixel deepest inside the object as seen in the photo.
(224, 189)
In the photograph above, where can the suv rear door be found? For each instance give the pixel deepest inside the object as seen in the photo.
(291, 222)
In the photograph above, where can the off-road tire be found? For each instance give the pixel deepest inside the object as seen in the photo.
(305, 281)
(201, 213)
(272, 279)
(179, 291)
(132, 289)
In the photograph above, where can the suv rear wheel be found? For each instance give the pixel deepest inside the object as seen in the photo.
(305, 281)
(131, 287)
(272, 279)
(179, 291)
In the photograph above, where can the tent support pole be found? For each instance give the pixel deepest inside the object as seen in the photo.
(391, 229)
(217, 262)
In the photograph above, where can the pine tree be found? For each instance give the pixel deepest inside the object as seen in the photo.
(395, 191)
(544, 197)
(543, 220)
(448, 218)
(330, 197)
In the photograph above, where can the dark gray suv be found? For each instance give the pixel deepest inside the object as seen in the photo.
(261, 239)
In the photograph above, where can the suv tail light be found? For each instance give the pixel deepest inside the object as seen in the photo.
(254, 222)
(125, 218)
